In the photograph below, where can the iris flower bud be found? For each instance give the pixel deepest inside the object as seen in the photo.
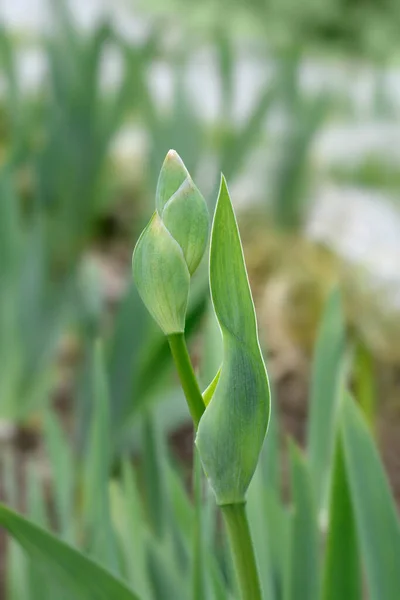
(171, 246)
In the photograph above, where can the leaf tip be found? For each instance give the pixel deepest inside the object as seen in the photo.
(223, 188)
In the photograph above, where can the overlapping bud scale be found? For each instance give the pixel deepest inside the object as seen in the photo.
(171, 246)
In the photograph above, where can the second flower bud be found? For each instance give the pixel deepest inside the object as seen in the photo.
(171, 246)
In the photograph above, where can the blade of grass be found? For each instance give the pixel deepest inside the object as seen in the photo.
(17, 564)
(166, 581)
(278, 531)
(131, 528)
(212, 351)
(154, 452)
(199, 573)
(256, 507)
(62, 467)
(181, 516)
(324, 395)
(303, 570)
(17, 584)
(77, 574)
(39, 583)
(97, 466)
(365, 383)
(341, 573)
(375, 512)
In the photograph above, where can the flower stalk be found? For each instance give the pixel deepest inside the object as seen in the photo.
(231, 417)
(237, 525)
(187, 377)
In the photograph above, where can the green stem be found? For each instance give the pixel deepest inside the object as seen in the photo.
(187, 377)
(243, 552)
(234, 514)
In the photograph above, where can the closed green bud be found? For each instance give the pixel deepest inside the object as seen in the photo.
(171, 246)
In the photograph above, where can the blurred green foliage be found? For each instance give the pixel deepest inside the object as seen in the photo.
(356, 27)
(117, 493)
(59, 183)
(145, 527)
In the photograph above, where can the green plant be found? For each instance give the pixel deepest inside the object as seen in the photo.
(79, 120)
(123, 524)
(29, 332)
(303, 120)
(231, 417)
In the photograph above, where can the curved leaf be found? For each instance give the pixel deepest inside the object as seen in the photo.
(377, 522)
(232, 430)
(76, 574)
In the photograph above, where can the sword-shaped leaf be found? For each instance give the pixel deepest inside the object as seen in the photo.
(232, 429)
(75, 574)
(377, 522)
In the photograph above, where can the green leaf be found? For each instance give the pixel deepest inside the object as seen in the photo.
(374, 507)
(17, 563)
(154, 461)
(132, 529)
(278, 531)
(212, 350)
(325, 395)
(75, 573)
(209, 391)
(225, 50)
(169, 549)
(238, 147)
(269, 463)
(257, 515)
(36, 502)
(61, 462)
(132, 333)
(97, 469)
(341, 577)
(210, 368)
(41, 586)
(303, 566)
(232, 429)
(166, 581)
(199, 571)
(10, 228)
(365, 387)
(304, 116)
(17, 584)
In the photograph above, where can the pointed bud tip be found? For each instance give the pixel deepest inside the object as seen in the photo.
(173, 156)
(173, 173)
